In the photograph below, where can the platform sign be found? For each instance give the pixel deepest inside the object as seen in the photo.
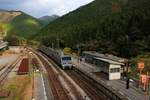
(143, 78)
(141, 65)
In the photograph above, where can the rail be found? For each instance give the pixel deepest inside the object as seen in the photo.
(57, 89)
(4, 74)
(109, 92)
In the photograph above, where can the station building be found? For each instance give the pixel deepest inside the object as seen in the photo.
(111, 65)
(3, 45)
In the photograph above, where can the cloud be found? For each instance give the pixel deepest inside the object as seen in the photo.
(39, 8)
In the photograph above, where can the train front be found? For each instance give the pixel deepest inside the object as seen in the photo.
(66, 62)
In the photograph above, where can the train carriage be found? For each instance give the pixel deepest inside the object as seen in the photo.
(65, 61)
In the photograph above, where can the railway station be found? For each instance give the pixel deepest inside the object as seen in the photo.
(75, 50)
(110, 65)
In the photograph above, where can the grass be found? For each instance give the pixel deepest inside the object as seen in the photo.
(23, 26)
(134, 69)
(31, 22)
(17, 86)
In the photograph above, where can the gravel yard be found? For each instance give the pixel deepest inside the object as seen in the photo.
(4, 60)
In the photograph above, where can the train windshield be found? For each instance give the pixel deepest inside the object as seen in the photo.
(66, 58)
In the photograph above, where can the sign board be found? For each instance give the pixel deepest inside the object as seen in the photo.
(141, 65)
(143, 78)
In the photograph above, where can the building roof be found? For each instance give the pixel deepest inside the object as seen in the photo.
(3, 45)
(106, 56)
(109, 61)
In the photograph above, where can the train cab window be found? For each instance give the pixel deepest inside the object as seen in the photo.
(66, 58)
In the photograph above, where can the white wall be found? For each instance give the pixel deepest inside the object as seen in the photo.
(116, 75)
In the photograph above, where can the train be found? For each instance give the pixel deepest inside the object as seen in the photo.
(63, 60)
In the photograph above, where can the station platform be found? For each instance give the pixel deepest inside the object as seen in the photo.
(39, 89)
(132, 93)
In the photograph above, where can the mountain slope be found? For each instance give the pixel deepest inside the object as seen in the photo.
(120, 27)
(6, 16)
(23, 25)
(47, 19)
(18, 23)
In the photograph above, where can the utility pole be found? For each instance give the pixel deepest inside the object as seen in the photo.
(58, 46)
(78, 48)
(52, 45)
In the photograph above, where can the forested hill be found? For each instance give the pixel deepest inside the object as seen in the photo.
(47, 19)
(120, 27)
(16, 24)
(23, 25)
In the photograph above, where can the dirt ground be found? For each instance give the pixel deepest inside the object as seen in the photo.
(7, 53)
(20, 87)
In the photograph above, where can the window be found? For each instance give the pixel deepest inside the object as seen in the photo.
(114, 70)
(66, 58)
(118, 69)
(111, 70)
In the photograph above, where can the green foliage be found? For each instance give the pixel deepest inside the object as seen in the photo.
(15, 40)
(145, 57)
(67, 50)
(120, 27)
(47, 19)
(23, 26)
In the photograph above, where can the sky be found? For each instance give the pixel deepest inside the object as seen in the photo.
(39, 8)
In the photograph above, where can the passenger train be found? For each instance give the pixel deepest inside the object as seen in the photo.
(65, 61)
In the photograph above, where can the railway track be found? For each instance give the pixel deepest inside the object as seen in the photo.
(94, 89)
(87, 85)
(6, 72)
(75, 90)
(3, 67)
(84, 82)
(59, 93)
(35, 63)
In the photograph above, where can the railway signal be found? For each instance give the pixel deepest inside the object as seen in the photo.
(141, 65)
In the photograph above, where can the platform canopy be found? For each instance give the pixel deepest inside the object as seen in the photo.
(106, 56)
(108, 61)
